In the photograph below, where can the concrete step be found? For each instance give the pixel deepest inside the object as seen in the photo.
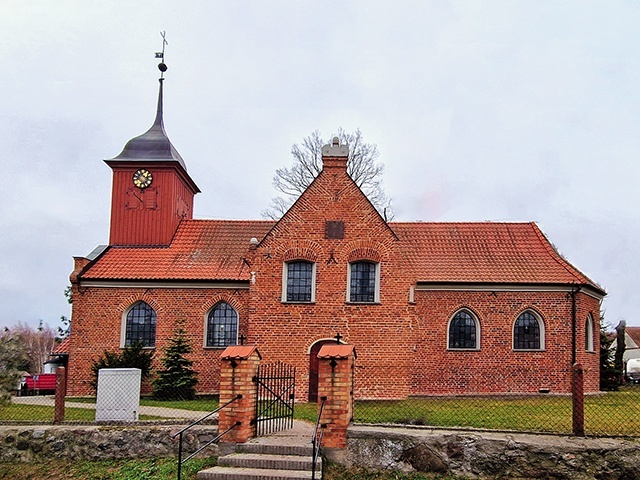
(263, 460)
(239, 473)
(271, 449)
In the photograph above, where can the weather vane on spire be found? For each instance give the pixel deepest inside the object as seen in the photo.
(162, 66)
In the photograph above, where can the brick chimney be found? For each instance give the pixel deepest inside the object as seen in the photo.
(335, 155)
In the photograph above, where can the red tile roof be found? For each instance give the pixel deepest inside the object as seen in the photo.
(200, 250)
(486, 252)
(239, 351)
(634, 334)
(62, 348)
(478, 252)
(336, 351)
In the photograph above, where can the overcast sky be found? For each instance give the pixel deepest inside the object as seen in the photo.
(481, 110)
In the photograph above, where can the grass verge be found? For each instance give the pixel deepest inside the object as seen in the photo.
(136, 469)
(165, 468)
(610, 413)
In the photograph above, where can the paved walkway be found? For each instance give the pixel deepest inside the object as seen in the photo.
(177, 413)
(300, 434)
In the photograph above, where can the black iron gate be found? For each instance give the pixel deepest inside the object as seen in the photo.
(275, 394)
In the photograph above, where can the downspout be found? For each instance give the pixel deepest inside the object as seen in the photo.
(574, 323)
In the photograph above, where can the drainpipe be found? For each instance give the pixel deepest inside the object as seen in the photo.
(574, 324)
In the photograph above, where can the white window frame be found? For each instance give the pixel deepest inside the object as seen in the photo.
(285, 278)
(376, 294)
(123, 327)
(206, 326)
(589, 328)
(477, 324)
(540, 326)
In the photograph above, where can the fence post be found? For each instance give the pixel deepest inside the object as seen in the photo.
(335, 381)
(238, 366)
(61, 393)
(577, 396)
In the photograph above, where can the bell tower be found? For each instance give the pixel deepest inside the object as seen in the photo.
(152, 191)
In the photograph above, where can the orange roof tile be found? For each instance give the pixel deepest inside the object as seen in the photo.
(336, 351)
(62, 348)
(485, 252)
(200, 250)
(239, 351)
(473, 252)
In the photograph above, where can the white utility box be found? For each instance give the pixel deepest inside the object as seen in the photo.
(118, 396)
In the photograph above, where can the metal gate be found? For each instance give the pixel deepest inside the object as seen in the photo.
(275, 397)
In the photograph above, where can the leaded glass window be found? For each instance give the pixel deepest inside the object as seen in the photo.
(299, 282)
(463, 331)
(362, 286)
(527, 332)
(222, 326)
(140, 325)
(588, 334)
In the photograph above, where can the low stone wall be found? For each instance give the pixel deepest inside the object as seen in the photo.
(497, 455)
(464, 453)
(33, 444)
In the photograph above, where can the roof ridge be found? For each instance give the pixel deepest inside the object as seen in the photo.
(221, 220)
(474, 222)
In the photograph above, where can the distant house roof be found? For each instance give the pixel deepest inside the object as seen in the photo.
(633, 334)
(474, 252)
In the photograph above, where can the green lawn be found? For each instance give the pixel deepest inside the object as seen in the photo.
(37, 413)
(134, 469)
(203, 404)
(610, 413)
(165, 468)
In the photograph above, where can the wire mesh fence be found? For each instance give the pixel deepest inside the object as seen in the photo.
(40, 409)
(611, 413)
(615, 413)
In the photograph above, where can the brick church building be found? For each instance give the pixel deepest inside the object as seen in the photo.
(432, 308)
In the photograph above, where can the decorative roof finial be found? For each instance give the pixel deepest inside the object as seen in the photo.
(162, 66)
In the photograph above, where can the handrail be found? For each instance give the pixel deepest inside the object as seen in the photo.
(193, 424)
(315, 442)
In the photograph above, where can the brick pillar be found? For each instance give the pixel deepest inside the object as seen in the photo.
(335, 382)
(238, 365)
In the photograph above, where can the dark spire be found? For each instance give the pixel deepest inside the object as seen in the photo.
(154, 143)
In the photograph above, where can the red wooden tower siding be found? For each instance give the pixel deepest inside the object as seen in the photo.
(149, 213)
(432, 308)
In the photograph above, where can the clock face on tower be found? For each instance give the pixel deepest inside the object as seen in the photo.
(142, 178)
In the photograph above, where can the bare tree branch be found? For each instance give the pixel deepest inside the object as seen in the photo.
(307, 164)
(38, 343)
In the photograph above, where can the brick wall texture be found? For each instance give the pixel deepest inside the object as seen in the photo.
(401, 340)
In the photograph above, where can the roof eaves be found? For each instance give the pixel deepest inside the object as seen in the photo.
(555, 254)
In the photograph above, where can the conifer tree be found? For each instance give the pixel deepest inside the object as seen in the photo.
(134, 356)
(176, 380)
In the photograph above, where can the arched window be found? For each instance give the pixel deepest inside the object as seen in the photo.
(528, 332)
(222, 326)
(588, 334)
(140, 325)
(364, 282)
(299, 281)
(464, 331)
